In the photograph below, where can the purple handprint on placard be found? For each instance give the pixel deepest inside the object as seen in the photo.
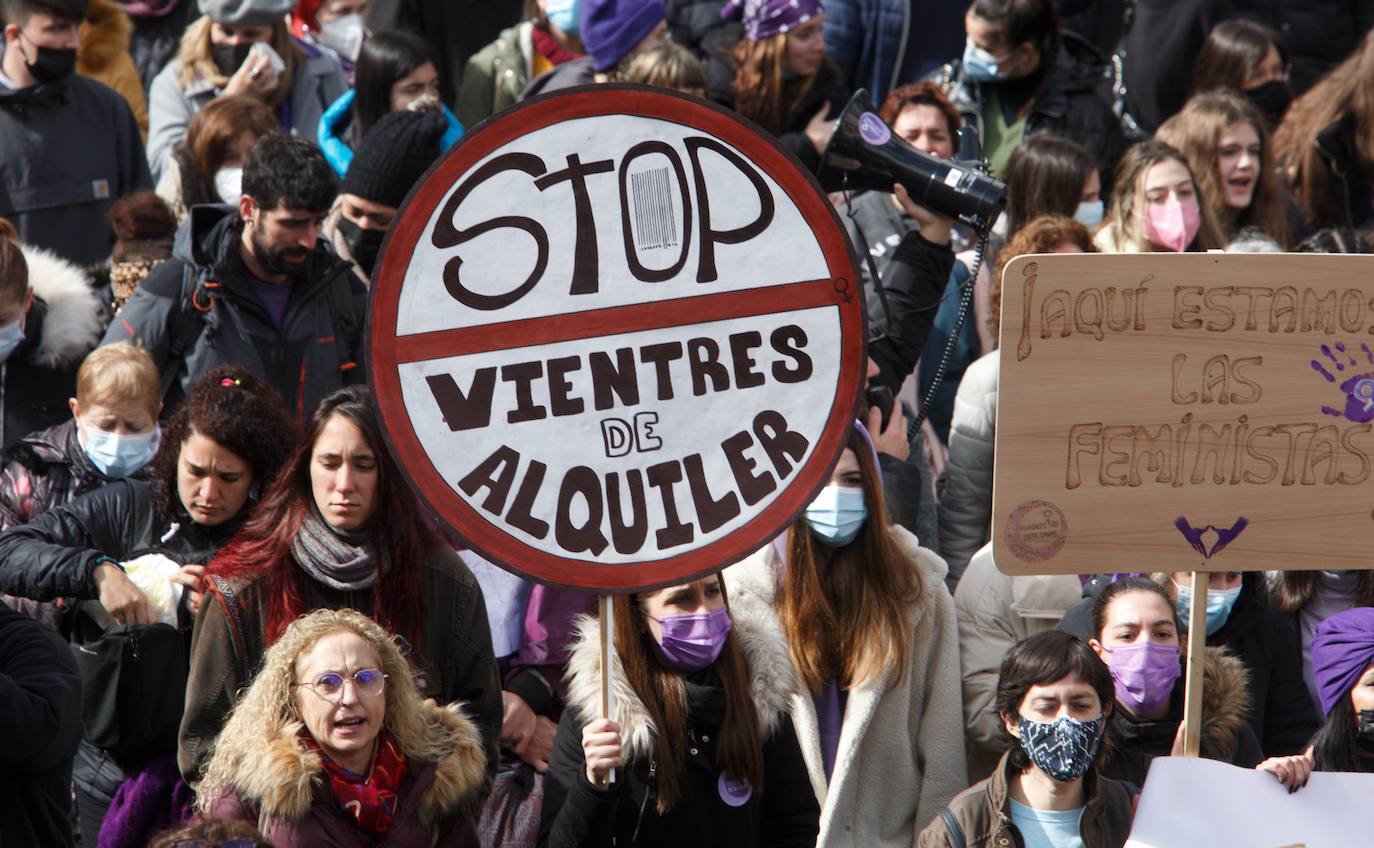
(1358, 389)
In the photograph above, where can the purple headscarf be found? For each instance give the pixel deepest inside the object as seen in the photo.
(1342, 648)
(766, 18)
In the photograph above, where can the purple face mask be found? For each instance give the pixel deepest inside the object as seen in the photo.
(692, 642)
(1144, 673)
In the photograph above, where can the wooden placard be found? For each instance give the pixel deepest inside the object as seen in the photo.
(1195, 412)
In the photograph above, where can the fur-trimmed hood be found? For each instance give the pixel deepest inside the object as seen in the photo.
(104, 36)
(1225, 702)
(282, 782)
(771, 680)
(72, 325)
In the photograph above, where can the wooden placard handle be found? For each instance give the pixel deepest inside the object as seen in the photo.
(606, 612)
(1197, 644)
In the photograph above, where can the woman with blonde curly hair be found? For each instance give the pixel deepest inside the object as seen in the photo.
(1224, 139)
(217, 59)
(333, 745)
(783, 80)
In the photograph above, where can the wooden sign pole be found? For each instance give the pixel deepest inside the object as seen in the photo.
(1197, 644)
(606, 612)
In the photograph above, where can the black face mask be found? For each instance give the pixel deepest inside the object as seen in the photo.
(52, 64)
(1364, 728)
(1272, 98)
(363, 244)
(228, 57)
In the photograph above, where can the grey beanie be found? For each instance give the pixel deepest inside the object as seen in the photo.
(246, 12)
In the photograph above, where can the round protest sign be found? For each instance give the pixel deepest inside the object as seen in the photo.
(615, 338)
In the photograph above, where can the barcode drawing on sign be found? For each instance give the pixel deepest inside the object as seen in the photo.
(655, 223)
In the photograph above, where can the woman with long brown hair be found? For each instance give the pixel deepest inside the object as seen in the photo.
(1227, 146)
(703, 749)
(220, 57)
(783, 80)
(1155, 206)
(339, 528)
(1248, 58)
(871, 634)
(207, 165)
(1326, 144)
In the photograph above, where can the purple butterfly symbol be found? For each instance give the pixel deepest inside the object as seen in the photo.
(1223, 535)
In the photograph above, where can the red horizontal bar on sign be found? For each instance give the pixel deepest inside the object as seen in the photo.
(551, 329)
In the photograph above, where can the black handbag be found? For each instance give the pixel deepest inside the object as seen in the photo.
(133, 684)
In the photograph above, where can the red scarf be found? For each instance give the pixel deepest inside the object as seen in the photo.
(549, 47)
(371, 799)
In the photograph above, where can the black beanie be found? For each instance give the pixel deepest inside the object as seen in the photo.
(393, 155)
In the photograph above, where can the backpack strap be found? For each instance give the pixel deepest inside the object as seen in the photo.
(346, 328)
(188, 324)
(956, 832)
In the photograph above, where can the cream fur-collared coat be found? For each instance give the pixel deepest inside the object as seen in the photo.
(901, 750)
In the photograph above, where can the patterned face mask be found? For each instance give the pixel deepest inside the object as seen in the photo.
(1063, 748)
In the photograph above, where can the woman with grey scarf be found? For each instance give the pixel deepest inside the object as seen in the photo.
(340, 528)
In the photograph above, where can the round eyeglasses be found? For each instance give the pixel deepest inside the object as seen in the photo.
(330, 685)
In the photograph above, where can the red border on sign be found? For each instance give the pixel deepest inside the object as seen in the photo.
(387, 351)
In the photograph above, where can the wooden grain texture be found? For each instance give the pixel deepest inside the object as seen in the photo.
(1197, 412)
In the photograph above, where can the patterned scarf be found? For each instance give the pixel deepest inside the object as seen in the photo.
(371, 799)
(342, 561)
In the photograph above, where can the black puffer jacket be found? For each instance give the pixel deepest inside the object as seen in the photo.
(43, 470)
(1068, 103)
(783, 813)
(40, 710)
(54, 556)
(1269, 643)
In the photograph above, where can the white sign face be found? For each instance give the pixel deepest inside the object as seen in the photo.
(616, 340)
(1200, 803)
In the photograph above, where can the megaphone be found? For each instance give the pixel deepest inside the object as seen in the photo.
(865, 154)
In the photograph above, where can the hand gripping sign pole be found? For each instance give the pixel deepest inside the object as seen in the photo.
(615, 340)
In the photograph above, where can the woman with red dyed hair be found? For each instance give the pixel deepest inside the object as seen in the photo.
(339, 528)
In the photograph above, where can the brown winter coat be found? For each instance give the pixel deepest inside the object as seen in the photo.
(456, 662)
(285, 790)
(103, 55)
(984, 812)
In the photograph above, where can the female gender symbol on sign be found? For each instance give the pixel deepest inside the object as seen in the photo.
(614, 338)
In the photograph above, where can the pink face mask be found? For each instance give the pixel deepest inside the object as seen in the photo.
(1173, 225)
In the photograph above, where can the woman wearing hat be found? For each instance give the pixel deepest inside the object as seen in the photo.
(1343, 665)
(783, 79)
(217, 59)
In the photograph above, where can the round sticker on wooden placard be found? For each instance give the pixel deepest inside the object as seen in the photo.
(615, 338)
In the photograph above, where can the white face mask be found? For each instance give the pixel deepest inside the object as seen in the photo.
(229, 185)
(344, 36)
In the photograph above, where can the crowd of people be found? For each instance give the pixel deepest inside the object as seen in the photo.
(227, 619)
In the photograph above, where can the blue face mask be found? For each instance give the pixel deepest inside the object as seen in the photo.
(980, 65)
(1219, 604)
(1089, 213)
(565, 14)
(119, 456)
(836, 514)
(11, 336)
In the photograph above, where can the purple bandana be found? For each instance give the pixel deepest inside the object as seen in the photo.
(1342, 649)
(767, 18)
